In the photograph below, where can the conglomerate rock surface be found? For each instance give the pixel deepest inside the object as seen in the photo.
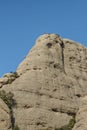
(5, 122)
(52, 85)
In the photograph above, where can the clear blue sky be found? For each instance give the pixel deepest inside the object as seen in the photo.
(22, 21)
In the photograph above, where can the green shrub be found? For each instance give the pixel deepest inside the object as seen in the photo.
(12, 77)
(15, 74)
(69, 126)
(72, 122)
(8, 98)
(16, 128)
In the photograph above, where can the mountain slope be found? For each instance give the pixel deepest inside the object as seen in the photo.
(51, 86)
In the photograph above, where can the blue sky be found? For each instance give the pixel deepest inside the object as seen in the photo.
(22, 21)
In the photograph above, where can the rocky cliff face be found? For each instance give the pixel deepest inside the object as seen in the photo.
(49, 87)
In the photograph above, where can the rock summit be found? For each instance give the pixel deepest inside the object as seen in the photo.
(49, 88)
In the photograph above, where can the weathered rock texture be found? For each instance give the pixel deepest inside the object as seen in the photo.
(5, 122)
(52, 85)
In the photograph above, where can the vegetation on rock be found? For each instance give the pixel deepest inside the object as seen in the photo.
(8, 99)
(10, 102)
(16, 128)
(66, 127)
(69, 126)
(12, 77)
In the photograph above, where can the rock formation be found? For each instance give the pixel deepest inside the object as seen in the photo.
(50, 87)
(5, 122)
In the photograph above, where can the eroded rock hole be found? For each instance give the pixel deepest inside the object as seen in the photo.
(49, 45)
(54, 110)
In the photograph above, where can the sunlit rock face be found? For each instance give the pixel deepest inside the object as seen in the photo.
(5, 122)
(51, 86)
